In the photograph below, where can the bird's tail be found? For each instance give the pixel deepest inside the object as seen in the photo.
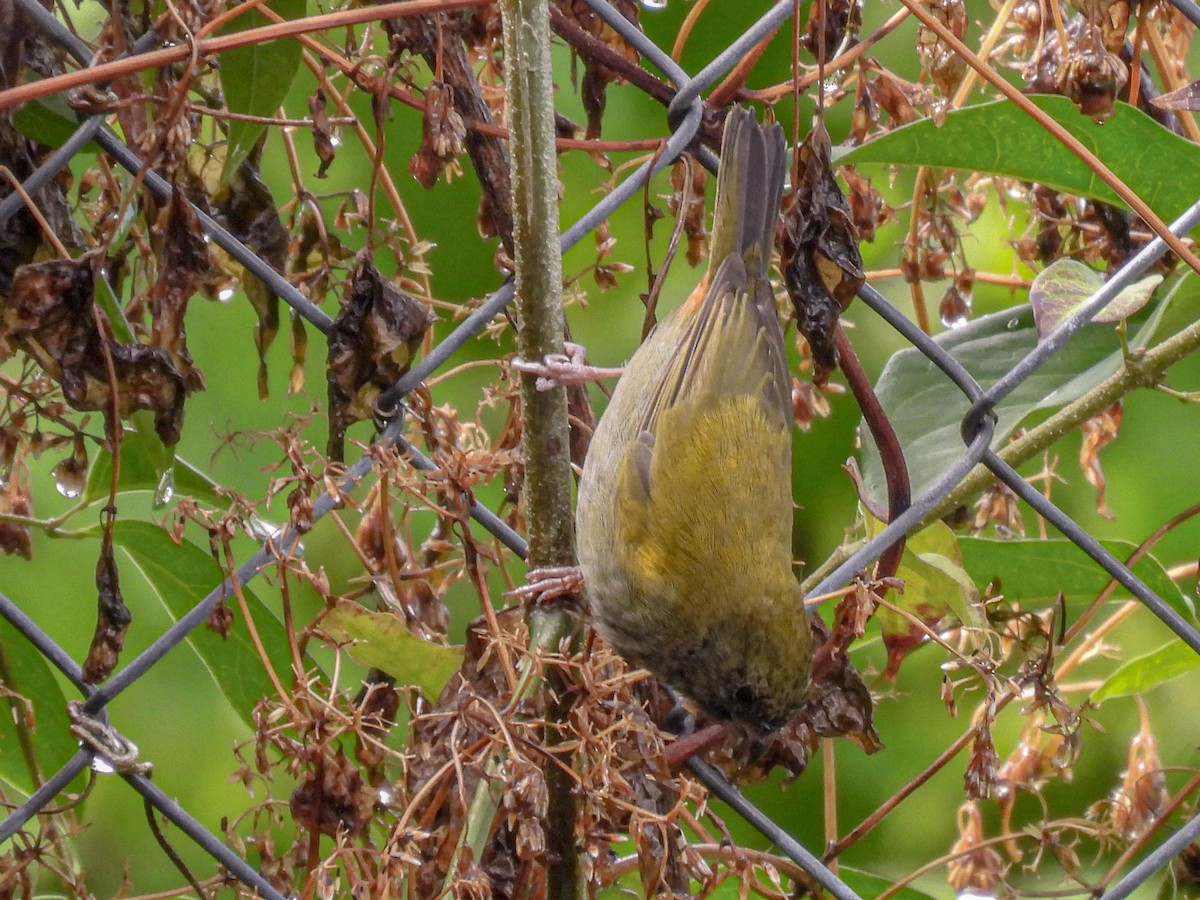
(749, 189)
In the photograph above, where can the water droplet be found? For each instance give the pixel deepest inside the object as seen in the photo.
(386, 796)
(654, 5)
(165, 490)
(954, 308)
(264, 530)
(954, 320)
(70, 478)
(1012, 324)
(102, 765)
(225, 294)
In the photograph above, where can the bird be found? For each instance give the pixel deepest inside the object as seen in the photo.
(684, 511)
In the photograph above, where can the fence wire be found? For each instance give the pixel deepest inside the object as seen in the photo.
(101, 742)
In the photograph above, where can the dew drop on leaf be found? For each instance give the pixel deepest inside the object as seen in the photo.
(165, 490)
(70, 478)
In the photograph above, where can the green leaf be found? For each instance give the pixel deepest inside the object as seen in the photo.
(50, 122)
(1001, 139)
(1033, 572)
(926, 408)
(144, 463)
(138, 473)
(1146, 672)
(1064, 285)
(937, 588)
(182, 575)
(866, 884)
(256, 79)
(25, 672)
(383, 641)
(110, 305)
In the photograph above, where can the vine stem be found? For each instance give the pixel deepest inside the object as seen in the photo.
(545, 434)
(165, 56)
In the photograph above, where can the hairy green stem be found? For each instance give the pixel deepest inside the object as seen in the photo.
(1141, 370)
(530, 90)
(538, 278)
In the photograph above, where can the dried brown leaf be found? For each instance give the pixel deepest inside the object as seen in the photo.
(322, 140)
(1098, 432)
(371, 344)
(332, 797)
(246, 208)
(51, 315)
(112, 616)
(973, 867)
(822, 268)
(442, 137)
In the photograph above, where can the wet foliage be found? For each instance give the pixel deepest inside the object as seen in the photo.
(389, 749)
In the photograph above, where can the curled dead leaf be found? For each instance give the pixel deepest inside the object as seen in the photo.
(372, 343)
(822, 268)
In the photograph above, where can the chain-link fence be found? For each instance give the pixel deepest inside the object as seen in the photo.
(101, 741)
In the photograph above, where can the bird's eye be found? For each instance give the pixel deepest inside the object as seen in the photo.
(745, 696)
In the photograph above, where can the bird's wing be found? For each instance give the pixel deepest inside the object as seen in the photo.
(731, 345)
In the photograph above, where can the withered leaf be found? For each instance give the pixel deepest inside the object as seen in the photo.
(184, 265)
(322, 140)
(942, 63)
(973, 868)
(594, 93)
(378, 703)
(442, 137)
(597, 76)
(822, 268)
(1137, 804)
(688, 181)
(828, 25)
(1087, 72)
(112, 616)
(332, 797)
(20, 234)
(50, 314)
(1184, 98)
(1098, 432)
(246, 208)
(868, 210)
(979, 779)
(16, 540)
(371, 344)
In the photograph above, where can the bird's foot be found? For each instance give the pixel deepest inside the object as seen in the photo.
(561, 369)
(550, 583)
(698, 742)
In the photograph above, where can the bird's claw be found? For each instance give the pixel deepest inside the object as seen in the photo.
(560, 369)
(550, 583)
